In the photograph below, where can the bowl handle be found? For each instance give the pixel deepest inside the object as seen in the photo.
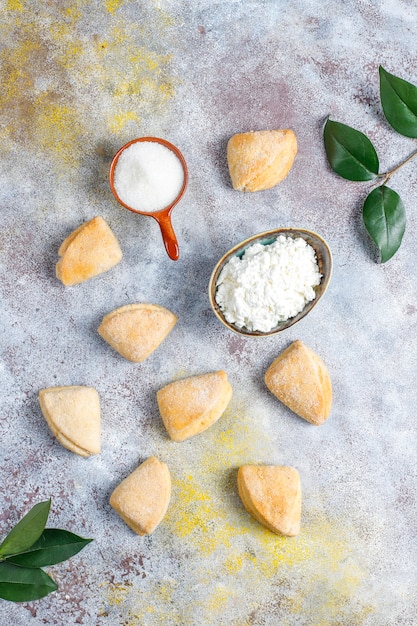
(168, 234)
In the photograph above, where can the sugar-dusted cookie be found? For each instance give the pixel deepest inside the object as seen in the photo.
(299, 378)
(272, 495)
(191, 405)
(260, 160)
(142, 498)
(89, 250)
(73, 415)
(136, 330)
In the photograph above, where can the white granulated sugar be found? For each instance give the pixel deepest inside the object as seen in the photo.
(268, 284)
(148, 176)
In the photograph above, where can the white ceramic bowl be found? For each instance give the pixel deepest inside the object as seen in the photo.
(324, 261)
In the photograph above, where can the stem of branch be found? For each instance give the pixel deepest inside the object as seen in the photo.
(387, 175)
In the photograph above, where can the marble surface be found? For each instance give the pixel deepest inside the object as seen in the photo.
(79, 79)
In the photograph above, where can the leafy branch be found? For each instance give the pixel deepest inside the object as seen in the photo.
(352, 155)
(30, 546)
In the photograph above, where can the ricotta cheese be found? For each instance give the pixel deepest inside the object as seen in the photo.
(268, 284)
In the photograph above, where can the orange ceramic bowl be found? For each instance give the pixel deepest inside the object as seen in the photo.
(163, 216)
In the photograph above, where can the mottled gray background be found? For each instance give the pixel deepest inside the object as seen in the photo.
(78, 80)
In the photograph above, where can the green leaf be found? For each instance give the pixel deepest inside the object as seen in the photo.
(20, 584)
(27, 531)
(399, 103)
(384, 218)
(350, 152)
(53, 546)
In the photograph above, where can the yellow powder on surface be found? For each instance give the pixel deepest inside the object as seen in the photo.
(144, 607)
(113, 5)
(117, 592)
(244, 569)
(61, 90)
(15, 5)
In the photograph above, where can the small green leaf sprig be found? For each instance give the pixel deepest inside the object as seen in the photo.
(352, 156)
(28, 547)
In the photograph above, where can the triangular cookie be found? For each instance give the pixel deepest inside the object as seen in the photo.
(189, 406)
(272, 495)
(260, 160)
(299, 378)
(88, 251)
(73, 415)
(142, 498)
(136, 330)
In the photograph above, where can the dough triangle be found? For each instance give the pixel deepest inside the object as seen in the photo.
(272, 495)
(189, 406)
(136, 330)
(142, 498)
(89, 250)
(299, 379)
(73, 415)
(260, 160)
